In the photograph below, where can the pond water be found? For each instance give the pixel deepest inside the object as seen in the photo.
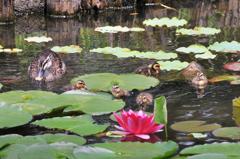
(182, 101)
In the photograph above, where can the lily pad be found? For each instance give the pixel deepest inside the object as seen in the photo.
(1, 46)
(83, 125)
(232, 66)
(209, 156)
(225, 46)
(105, 81)
(134, 150)
(195, 48)
(9, 139)
(168, 22)
(224, 78)
(67, 49)
(194, 126)
(173, 65)
(236, 102)
(10, 117)
(198, 31)
(115, 29)
(229, 149)
(206, 55)
(125, 53)
(38, 39)
(228, 132)
(87, 152)
(11, 50)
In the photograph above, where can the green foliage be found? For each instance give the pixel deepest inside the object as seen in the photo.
(160, 110)
(225, 46)
(173, 65)
(168, 22)
(198, 31)
(228, 132)
(67, 49)
(115, 29)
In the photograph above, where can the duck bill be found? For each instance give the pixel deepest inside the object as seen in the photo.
(40, 75)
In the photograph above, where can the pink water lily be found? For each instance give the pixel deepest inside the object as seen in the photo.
(136, 123)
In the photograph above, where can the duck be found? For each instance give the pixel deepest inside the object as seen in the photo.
(144, 99)
(152, 69)
(79, 85)
(118, 92)
(200, 81)
(191, 70)
(47, 66)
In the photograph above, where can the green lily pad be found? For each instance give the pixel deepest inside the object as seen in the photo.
(206, 55)
(38, 39)
(10, 117)
(115, 29)
(236, 102)
(134, 150)
(160, 110)
(194, 126)
(198, 31)
(209, 156)
(229, 149)
(9, 139)
(67, 49)
(173, 65)
(195, 48)
(125, 53)
(83, 125)
(225, 46)
(165, 21)
(228, 132)
(105, 81)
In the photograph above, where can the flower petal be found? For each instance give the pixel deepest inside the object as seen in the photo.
(143, 136)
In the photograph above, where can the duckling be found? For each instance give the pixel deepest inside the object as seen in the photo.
(79, 85)
(144, 99)
(200, 81)
(47, 66)
(152, 69)
(118, 92)
(191, 70)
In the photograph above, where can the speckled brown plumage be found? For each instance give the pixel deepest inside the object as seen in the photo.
(152, 69)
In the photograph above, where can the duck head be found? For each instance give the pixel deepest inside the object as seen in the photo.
(80, 85)
(156, 67)
(44, 67)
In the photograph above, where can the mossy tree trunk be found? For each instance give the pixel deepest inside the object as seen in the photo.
(62, 8)
(6, 11)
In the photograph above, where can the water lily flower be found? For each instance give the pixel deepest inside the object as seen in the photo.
(136, 123)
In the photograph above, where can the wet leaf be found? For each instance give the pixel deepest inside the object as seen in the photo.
(236, 114)
(105, 81)
(199, 135)
(83, 125)
(195, 48)
(38, 39)
(206, 55)
(173, 65)
(9, 139)
(137, 150)
(1, 47)
(194, 126)
(228, 132)
(115, 29)
(13, 50)
(224, 78)
(160, 110)
(225, 46)
(232, 66)
(209, 156)
(236, 102)
(67, 49)
(125, 53)
(10, 117)
(198, 31)
(168, 22)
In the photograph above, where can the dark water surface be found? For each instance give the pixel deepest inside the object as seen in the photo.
(183, 104)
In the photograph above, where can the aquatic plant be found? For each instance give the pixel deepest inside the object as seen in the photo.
(225, 46)
(165, 21)
(67, 49)
(136, 123)
(115, 29)
(198, 31)
(232, 66)
(38, 39)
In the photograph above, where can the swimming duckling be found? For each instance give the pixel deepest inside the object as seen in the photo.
(144, 99)
(47, 66)
(191, 70)
(149, 70)
(200, 81)
(79, 85)
(118, 92)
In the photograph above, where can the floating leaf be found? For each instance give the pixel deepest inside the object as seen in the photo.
(173, 65)
(236, 102)
(225, 46)
(228, 132)
(10, 117)
(13, 50)
(195, 48)
(229, 149)
(105, 81)
(9, 139)
(115, 29)
(209, 156)
(125, 53)
(137, 150)
(198, 31)
(194, 126)
(169, 22)
(206, 55)
(236, 114)
(1, 47)
(232, 66)
(199, 135)
(160, 110)
(67, 49)
(83, 125)
(224, 78)
(1, 86)
(38, 39)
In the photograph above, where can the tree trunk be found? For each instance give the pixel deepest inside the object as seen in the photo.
(7, 36)
(6, 11)
(63, 8)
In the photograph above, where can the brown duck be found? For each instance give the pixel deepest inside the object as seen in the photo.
(144, 99)
(118, 92)
(152, 69)
(200, 81)
(191, 70)
(79, 85)
(47, 66)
